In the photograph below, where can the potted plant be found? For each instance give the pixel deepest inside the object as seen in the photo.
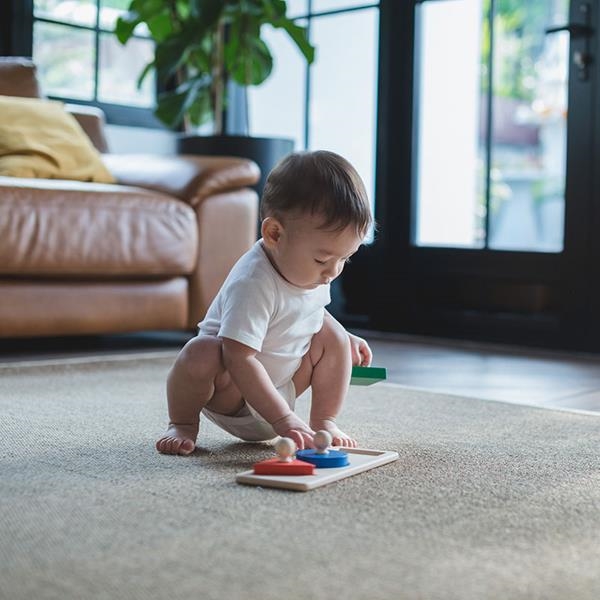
(201, 45)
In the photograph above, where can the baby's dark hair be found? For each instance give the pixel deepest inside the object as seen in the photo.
(317, 183)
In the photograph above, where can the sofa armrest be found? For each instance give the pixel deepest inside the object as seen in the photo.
(187, 177)
(227, 227)
(18, 77)
(226, 210)
(92, 121)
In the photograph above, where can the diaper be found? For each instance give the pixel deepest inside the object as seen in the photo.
(247, 424)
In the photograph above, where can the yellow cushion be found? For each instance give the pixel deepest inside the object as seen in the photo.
(38, 138)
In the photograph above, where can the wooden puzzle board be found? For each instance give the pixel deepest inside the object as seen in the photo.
(361, 459)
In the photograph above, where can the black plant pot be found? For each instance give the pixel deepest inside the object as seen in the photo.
(265, 152)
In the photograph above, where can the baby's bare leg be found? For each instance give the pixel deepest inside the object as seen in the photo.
(327, 368)
(196, 379)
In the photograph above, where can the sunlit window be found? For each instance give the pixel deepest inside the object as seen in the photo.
(79, 57)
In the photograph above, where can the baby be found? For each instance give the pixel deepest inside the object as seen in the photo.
(267, 337)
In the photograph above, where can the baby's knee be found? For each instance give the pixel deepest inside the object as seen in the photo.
(200, 358)
(334, 337)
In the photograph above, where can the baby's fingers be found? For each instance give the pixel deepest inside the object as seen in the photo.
(301, 438)
(297, 437)
(366, 356)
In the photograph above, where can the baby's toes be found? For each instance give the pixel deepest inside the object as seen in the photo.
(347, 442)
(173, 445)
(164, 445)
(338, 441)
(186, 447)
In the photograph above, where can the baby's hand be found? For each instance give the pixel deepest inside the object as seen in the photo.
(292, 426)
(361, 353)
(339, 437)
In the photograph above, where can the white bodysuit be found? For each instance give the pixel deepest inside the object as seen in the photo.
(258, 308)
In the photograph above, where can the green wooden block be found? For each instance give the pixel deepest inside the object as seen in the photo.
(367, 375)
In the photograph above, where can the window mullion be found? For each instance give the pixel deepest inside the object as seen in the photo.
(97, 50)
(307, 86)
(489, 125)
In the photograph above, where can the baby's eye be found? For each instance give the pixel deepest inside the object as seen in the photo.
(319, 262)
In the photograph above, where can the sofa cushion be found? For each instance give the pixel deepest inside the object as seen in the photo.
(38, 138)
(65, 228)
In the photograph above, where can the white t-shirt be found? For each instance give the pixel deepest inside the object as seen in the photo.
(259, 308)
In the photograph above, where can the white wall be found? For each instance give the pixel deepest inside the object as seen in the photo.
(134, 140)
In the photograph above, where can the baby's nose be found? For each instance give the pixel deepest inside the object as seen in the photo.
(329, 273)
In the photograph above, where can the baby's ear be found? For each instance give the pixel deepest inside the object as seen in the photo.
(271, 230)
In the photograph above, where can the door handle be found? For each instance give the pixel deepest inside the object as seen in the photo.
(576, 30)
(582, 58)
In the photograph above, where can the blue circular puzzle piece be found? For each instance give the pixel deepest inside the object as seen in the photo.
(333, 458)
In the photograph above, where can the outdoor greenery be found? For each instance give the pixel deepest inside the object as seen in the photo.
(519, 38)
(200, 45)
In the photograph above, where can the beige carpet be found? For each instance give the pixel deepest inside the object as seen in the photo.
(488, 500)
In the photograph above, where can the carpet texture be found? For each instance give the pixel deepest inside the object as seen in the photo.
(488, 500)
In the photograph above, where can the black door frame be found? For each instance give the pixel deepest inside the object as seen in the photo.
(515, 297)
(16, 26)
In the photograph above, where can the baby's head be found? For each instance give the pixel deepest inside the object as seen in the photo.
(318, 184)
(315, 214)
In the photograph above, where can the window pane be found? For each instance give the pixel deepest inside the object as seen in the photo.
(297, 8)
(120, 67)
(65, 58)
(449, 191)
(344, 89)
(80, 12)
(110, 10)
(529, 127)
(323, 5)
(276, 108)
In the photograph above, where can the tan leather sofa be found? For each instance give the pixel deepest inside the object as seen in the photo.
(147, 253)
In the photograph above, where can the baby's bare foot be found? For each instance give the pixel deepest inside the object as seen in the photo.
(178, 439)
(339, 438)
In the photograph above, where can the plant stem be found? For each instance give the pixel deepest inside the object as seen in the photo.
(180, 77)
(219, 79)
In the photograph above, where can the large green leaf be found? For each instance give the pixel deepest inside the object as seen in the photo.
(248, 60)
(273, 9)
(125, 25)
(200, 111)
(199, 59)
(160, 26)
(168, 57)
(147, 9)
(173, 106)
(299, 36)
(173, 52)
(273, 13)
(155, 13)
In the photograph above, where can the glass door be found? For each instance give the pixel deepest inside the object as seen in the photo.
(491, 124)
(496, 239)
